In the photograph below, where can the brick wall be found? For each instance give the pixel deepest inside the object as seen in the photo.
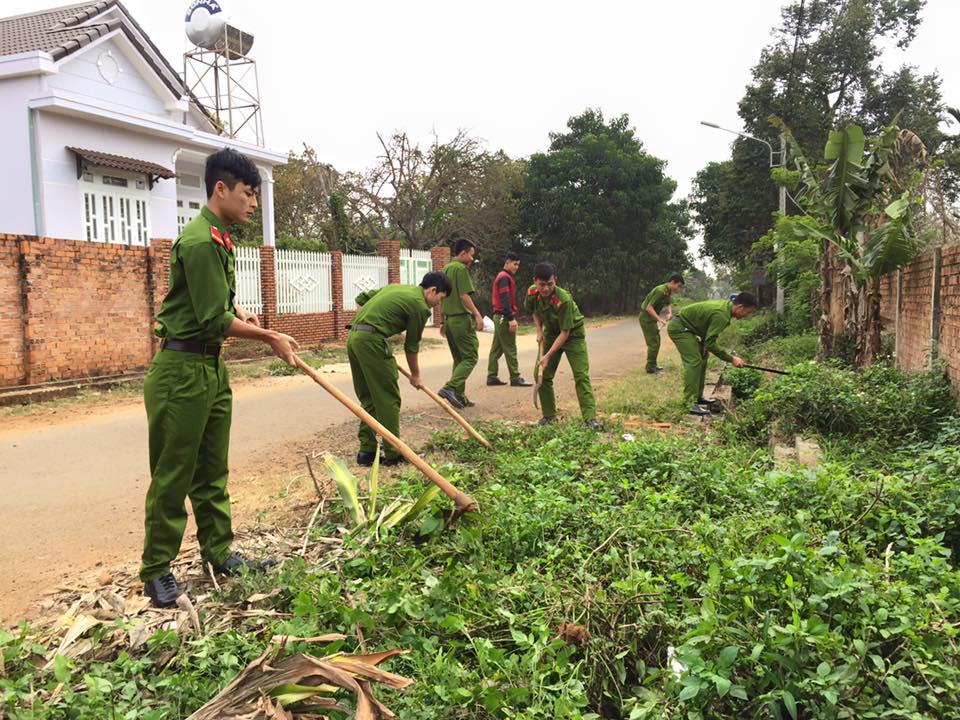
(440, 256)
(72, 309)
(925, 323)
(11, 313)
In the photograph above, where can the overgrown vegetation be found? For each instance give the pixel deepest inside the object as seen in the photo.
(797, 593)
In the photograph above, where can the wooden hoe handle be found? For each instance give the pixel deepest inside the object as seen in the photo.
(463, 501)
(449, 408)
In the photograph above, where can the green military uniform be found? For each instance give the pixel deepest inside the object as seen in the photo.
(189, 401)
(505, 344)
(658, 298)
(390, 310)
(459, 327)
(557, 313)
(695, 331)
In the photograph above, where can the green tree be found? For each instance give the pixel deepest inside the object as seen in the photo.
(821, 69)
(598, 206)
(860, 210)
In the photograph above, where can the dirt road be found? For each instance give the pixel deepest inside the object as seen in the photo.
(73, 483)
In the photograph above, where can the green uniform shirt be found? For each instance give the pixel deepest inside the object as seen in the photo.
(203, 282)
(659, 298)
(395, 309)
(461, 283)
(557, 313)
(706, 320)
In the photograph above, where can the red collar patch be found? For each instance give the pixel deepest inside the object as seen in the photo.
(532, 291)
(223, 241)
(555, 301)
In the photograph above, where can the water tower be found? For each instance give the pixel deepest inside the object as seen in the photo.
(219, 73)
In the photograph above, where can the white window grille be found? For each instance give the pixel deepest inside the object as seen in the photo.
(248, 279)
(362, 273)
(304, 282)
(114, 213)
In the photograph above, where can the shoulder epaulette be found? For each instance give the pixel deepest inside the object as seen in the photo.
(532, 290)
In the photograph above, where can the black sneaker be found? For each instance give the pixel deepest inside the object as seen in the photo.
(467, 402)
(451, 397)
(163, 591)
(699, 411)
(593, 424)
(391, 461)
(237, 561)
(546, 421)
(654, 371)
(705, 401)
(495, 381)
(520, 382)
(365, 459)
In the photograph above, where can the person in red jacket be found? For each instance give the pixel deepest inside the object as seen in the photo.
(505, 313)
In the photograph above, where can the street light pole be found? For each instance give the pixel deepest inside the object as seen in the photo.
(777, 159)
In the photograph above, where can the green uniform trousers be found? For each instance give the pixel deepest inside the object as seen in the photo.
(189, 405)
(504, 343)
(576, 351)
(374, 371)
(651, 334)
(462, 339)
(694, 361)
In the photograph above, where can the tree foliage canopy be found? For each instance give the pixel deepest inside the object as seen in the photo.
(599, 207)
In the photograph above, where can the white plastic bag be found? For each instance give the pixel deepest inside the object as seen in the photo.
(487, 325)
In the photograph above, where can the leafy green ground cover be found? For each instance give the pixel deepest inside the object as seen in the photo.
(799, 593)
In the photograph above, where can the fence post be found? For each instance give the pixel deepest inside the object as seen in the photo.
(439, 256)
(897, 310)
(336, 290)
(268, 285)
(158, 282)
(935, 305)
(390, 249)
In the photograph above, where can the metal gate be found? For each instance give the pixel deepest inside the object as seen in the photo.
(414, 264)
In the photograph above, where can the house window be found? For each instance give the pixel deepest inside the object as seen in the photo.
(115, 210)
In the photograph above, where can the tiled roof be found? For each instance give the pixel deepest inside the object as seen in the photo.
(119, 162)
(59, 31)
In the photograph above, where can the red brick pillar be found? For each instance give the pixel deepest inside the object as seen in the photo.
(158, 282)
(390, 249)
(336, 280)
(268, 286)
(440, 255)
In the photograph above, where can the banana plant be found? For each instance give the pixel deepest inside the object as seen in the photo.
(860, 209)
(361, 518)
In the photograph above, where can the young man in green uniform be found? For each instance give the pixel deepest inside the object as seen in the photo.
(650, 321)
(187, 390)
(695, 330)
(505, 311)
(560, 331)
(461, 320)
(385, 312)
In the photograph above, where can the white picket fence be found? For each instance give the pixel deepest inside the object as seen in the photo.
(414, 264)
(362, 273)
(248, 279)
(304, 281)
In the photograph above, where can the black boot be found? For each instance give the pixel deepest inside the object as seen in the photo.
(237, 561)
(366, 458)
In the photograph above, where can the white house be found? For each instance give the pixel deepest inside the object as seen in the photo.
(99, 137)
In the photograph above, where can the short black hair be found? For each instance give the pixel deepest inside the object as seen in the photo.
(745, 299)
(231, 167)
(544, 271)
(512, 256)
(676, 277)
(438, 280)
(462, 245)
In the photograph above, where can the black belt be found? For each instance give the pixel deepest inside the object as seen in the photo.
(213, 350)
(455, 315)
(363, 327)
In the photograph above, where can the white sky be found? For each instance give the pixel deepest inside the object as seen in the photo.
(333, 74)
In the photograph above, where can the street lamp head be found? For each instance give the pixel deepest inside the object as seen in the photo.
(710, 124)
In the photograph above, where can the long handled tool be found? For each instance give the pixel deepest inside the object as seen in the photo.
(449, 408)
(537, 376)
(463, 501)
(766, 369)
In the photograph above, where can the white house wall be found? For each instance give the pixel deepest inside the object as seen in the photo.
(60, 189)
(16, 200)
(80, 75)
